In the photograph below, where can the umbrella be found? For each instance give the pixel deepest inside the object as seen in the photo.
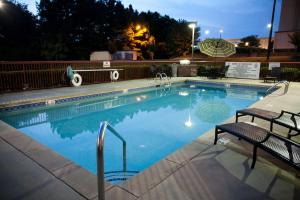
(217, 47)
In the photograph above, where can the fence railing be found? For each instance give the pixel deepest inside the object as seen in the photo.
(28, 75)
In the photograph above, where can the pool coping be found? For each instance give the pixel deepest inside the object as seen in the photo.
(86, 183)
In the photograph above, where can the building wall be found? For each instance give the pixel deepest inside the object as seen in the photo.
(289, 23)
(263, 42)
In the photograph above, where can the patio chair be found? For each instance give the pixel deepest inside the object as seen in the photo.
(276, 145)
(275, 75)
(286, 119)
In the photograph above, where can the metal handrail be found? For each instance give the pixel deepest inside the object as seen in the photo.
(286, 88)
(100, 156)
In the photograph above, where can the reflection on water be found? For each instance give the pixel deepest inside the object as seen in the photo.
(154, 123)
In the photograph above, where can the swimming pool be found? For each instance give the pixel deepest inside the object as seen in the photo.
(154, 122)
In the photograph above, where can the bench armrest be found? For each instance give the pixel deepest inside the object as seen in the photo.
(284, 139)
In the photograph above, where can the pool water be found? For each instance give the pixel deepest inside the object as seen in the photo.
(154, 122)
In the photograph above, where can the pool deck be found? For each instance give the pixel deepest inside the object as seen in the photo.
(199, 170)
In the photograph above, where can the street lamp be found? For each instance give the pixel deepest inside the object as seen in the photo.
(269, 25)
(221, 31)
(193, 26)
(1, 4)
(271, 30)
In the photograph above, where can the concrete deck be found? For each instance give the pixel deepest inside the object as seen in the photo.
(199, 170)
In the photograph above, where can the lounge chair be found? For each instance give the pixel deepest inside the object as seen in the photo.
(276, 145)
(275, 75)
(287, 119)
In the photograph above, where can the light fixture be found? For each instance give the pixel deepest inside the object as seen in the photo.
(138, 27)
(193, 26)
(247, 44)
(1, 4)
(269, 25)
(183, 93)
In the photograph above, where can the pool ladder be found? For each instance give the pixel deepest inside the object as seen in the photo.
(100, 157)
(164, 79)
(286, 86)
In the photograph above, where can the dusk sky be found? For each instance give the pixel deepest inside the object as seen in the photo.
(238, 18)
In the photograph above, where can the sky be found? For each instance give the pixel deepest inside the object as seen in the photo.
(237, 18)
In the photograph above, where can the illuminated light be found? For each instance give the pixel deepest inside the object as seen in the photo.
(1, 4)
(185, 62)
(183, 93)
(188, 123)
(207, 32)
(247, 44)
(235, 45)
(145, 29)
(138, 99)
(269, 25)
(192, 25)
(138, 27)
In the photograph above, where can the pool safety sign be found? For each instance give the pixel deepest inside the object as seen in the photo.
(106, 64)
(248, 70)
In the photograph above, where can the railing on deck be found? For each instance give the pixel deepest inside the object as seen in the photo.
(22, 75)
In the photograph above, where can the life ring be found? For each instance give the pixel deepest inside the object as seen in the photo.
(77, 80)
(114, 75)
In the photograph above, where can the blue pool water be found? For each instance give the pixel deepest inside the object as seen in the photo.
(154, 122)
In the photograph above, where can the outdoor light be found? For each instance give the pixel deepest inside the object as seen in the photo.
(269, 25)
(221, 31)
(193, 26)
(235, 45)
(138, 27)
(1, 4)
(247, 44)
(183, 93)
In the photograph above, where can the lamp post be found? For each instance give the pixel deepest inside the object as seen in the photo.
(271, 31)
(221, 31)
(193, 26)
(1, 4)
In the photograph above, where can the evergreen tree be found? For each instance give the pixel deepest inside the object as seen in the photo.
(18, 32)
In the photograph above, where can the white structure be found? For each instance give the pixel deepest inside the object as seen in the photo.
(100, 55)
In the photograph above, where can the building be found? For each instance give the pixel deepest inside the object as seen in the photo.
(263, 42)
(288, 24)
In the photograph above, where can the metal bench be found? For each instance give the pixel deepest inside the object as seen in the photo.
(276, 145)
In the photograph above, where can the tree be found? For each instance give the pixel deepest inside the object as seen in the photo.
(250, 41)
(295, 40)
(18, 33)
(138, 39)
